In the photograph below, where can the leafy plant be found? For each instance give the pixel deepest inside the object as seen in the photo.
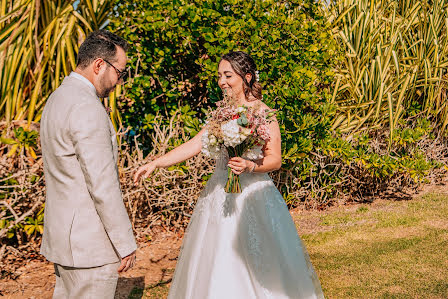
(39, 40)
(35, 226)
(395, 63)
(24, 140)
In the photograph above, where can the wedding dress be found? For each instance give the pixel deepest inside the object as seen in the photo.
(242, 246)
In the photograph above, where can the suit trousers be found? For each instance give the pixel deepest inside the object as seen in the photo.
(96, 282)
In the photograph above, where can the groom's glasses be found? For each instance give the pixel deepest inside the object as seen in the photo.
(120, 74)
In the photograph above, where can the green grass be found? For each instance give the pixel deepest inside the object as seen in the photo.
(159, 290)
(387, 250)
(390, 249)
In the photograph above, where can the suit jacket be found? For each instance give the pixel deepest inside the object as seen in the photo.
(86, 223)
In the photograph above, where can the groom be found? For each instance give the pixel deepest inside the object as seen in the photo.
(87, 232)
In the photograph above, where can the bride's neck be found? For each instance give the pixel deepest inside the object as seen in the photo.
(245, 101)
(241, 99)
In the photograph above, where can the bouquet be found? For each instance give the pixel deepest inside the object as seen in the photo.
(241, 130)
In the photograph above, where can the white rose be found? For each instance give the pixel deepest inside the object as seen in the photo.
(231, 133)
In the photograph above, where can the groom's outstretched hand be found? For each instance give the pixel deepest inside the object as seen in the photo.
(127, 263)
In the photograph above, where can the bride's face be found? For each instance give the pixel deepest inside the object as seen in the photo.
(229, 80)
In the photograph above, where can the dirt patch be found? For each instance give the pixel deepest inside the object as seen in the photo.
(37, 281)
(156, 261)
(436, 223)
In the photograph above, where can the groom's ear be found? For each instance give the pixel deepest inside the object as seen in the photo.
(97, 64)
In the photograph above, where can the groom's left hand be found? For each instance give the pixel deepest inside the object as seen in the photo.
(127, 263)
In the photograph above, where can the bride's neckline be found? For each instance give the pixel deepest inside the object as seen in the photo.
(252, 103)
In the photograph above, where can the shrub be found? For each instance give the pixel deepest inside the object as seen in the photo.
(395, 62)
(177, 46)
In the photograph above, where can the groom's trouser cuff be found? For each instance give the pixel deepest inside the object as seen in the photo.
(96, 282)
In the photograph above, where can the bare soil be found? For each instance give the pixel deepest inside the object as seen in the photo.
(156, 261)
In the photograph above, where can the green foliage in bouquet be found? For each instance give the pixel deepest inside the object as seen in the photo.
(176, 47)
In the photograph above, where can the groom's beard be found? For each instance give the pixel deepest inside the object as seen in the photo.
(106, 88)
(106, 92)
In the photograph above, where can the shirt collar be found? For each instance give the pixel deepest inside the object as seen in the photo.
(83, 79)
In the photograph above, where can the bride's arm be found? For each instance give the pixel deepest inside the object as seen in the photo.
(272, 151)
(181, 153)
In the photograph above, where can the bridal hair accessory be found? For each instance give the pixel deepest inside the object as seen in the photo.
(241, 131)
(257, 76)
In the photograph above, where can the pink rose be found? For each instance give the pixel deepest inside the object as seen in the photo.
(263, 132)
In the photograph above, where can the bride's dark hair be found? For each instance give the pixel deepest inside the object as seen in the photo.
(243, 64)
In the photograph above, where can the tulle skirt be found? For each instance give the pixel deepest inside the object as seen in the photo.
(240, 246)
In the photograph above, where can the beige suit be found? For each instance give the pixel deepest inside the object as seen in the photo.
(86, 223)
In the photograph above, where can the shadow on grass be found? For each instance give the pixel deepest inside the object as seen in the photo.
(369, 252)
(129, 283)
(157, 290)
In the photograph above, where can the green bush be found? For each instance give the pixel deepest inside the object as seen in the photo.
(176, 47)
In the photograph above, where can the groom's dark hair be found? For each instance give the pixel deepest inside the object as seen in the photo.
(100, 44)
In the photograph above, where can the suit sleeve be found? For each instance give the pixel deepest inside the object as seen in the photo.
(90, 132)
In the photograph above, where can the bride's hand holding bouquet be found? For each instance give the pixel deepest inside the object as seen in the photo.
(239, 165)
(240, 130)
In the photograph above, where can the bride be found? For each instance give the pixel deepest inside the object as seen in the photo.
(242, 245)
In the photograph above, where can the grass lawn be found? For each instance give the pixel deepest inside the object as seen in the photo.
(389, 249)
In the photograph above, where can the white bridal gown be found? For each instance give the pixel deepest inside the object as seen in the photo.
(242, 246)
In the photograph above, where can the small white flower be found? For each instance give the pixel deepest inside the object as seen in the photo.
(241, 109)
(213, 140)
(210, 150)
(231, 132)
(254, 153)
(246, 131)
